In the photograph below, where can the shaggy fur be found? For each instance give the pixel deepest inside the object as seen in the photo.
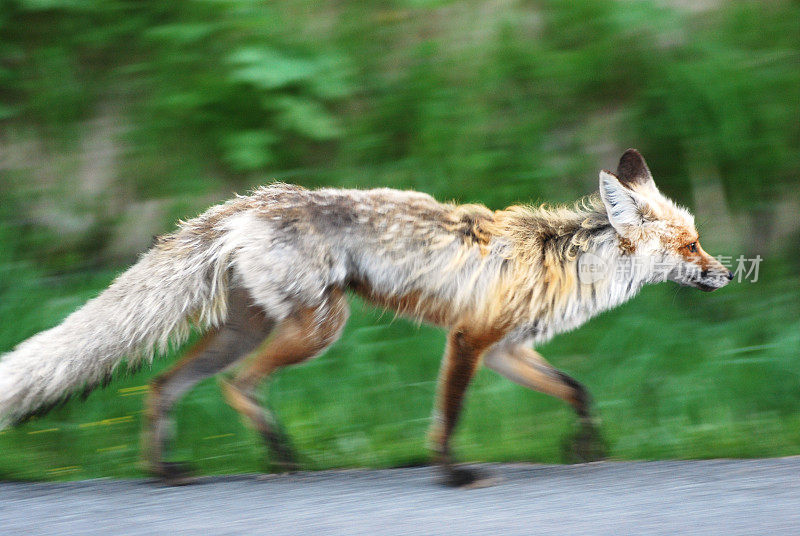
(500, 281)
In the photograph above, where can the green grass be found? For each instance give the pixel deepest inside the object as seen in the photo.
(675, 374)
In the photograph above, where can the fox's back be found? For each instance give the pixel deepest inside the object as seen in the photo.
(400, 248)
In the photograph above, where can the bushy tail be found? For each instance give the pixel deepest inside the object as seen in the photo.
(152, 304)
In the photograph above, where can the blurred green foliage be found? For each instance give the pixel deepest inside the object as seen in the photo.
(118, 117)
(447, 97)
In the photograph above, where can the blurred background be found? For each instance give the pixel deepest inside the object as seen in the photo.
(119, 117)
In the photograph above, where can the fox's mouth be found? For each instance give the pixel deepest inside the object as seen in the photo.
(704, 287)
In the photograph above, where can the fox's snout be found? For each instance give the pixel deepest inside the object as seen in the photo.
(729, 275)
(712, 276)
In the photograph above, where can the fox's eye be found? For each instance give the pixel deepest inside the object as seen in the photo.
(692, 247)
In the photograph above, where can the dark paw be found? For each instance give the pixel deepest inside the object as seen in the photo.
(285, 466)
(174, 473)
(282, 456)
(283, 459)
(585, 445)
(462, 477)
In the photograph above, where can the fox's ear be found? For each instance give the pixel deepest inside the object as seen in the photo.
(626, 208)
(633, 172)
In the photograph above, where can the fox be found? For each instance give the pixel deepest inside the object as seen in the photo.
(266, 277)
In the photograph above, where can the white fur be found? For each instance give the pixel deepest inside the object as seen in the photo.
(624, 205)
(144, 309)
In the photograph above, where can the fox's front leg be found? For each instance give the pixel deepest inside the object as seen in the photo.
(461, 358)
(527, 367)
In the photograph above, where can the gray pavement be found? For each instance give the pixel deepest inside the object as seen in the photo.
(747, 497)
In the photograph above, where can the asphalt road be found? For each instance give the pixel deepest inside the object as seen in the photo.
(747, 497)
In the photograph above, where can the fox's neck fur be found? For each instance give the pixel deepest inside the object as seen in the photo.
(552, 252)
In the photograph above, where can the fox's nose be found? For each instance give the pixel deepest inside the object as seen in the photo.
(730, 275)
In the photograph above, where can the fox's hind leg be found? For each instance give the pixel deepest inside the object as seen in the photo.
(245, 328)
(527, 367)
(301, 336)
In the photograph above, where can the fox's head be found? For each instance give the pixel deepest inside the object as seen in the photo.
(659, 234)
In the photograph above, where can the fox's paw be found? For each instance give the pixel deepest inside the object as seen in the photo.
(174, 473)
(285, 466)
(282, 457)
(585, 445)
(463, 477)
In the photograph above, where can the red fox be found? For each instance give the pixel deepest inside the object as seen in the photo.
(277, 266)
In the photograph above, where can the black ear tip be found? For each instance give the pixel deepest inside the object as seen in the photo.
(632, 168)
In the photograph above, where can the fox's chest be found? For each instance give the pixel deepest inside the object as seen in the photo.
(572, 313)
(542, 329)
